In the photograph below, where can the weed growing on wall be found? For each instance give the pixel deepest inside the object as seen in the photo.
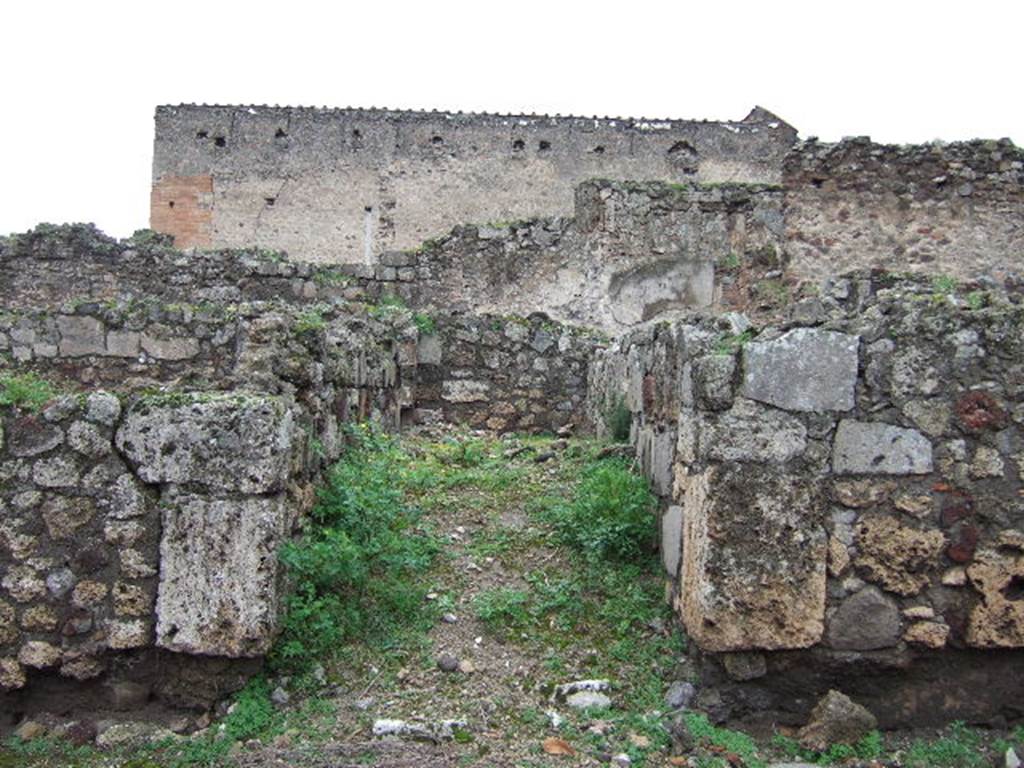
(25, 391)
(618, 420)
(355, 568)
(425, 323)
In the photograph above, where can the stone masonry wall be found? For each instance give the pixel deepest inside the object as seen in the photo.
(632, 252)
(346, 185)
(843, 497)
(141, 510)
(951, 209)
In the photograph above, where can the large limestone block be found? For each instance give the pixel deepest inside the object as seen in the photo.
(754, 556)
(748, 431)
(218, 592)
(807, 369)
(874, 448)
(228, 443)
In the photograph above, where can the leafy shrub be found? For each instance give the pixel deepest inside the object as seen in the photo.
(618, 420)
(354, 569)
(611, 513)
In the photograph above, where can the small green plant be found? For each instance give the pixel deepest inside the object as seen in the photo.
(387, 305)
(25, 391)
(771, 292)
(619, 420)
(731, 261)
(611, 513)
(309, 321)
(977, 299)
(426, 324)
(731, 343)
(944, 285)
(252, 713)
(327, 276)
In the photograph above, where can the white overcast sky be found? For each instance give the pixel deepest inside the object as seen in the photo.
(79, 80)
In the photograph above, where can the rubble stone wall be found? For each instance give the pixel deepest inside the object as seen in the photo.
(843, 497)
(141, 509)
(631, 252)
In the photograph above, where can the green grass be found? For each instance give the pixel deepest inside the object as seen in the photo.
(356, 569)
(734, 742)
(960, 747)
(26, 391)
(870, 747)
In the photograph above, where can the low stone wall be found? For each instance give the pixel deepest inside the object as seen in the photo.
(843, 497)
(506, 374)
(142, 509)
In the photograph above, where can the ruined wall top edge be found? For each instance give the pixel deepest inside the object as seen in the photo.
(757, 118)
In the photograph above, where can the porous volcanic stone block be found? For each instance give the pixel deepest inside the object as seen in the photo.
(997, 620)
(754, 554)
(218, 592)
(806, 369)
(750, 431)
(874, 448)
(227, 443)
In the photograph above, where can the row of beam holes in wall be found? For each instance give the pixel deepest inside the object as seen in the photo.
(683, 151)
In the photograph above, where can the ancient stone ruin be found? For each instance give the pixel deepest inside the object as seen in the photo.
(819, 347)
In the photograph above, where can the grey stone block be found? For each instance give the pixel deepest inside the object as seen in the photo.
(875, 448)
(806, 369)
(80, 336)
(865, 621)
(671, 539)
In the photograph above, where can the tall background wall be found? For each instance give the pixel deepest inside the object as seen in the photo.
(345, 185)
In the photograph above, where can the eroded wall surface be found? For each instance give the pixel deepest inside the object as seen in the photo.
(346, 185)
(843, 496)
